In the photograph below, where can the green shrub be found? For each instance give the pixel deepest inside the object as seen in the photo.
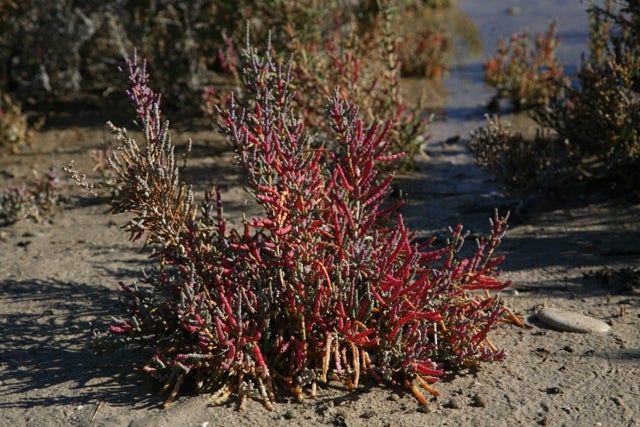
(598, 115)
(522, 165)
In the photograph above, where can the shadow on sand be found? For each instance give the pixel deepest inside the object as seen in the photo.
(49, 345)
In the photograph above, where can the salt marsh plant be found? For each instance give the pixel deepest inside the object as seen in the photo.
(523, 74)
(366, 59)
(328, 284)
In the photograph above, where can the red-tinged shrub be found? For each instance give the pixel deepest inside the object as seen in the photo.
(327, 284)
(524, 75)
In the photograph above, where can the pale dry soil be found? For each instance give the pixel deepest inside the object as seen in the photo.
(59, 276)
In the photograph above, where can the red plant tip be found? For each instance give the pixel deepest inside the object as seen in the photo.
(120, 329)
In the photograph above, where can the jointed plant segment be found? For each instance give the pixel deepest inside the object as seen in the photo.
(328, 284)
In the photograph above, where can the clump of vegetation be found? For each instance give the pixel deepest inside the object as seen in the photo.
(33, 200)
(14, 126)
(424, 33)
(366, 69)
(624, 279)
(526, 76)
(62, 45)
(328, 284)
(594, 121)
(364, 50)
(424, 54)
(361, 46)
(508, 154)
(27, 200)
(599, 115)
(437, 4)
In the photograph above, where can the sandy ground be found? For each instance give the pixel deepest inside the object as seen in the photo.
(58, 280)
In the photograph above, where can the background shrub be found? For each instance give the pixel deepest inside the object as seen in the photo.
(524, 75)
(65, 45)
(33, 200)
(15, 130)
(508, 154)
(363, 46)
(592, 122)
(599, 114)
(365, 67)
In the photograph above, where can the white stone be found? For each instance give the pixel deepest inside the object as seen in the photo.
(571, 322)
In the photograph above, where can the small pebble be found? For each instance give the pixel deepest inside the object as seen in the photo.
(288, 415)
(571, 322)
(426, 409)
(32, 233)
(479, 401)
(394, 397)
(453, 403)
(368, 414)
(553, 390)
